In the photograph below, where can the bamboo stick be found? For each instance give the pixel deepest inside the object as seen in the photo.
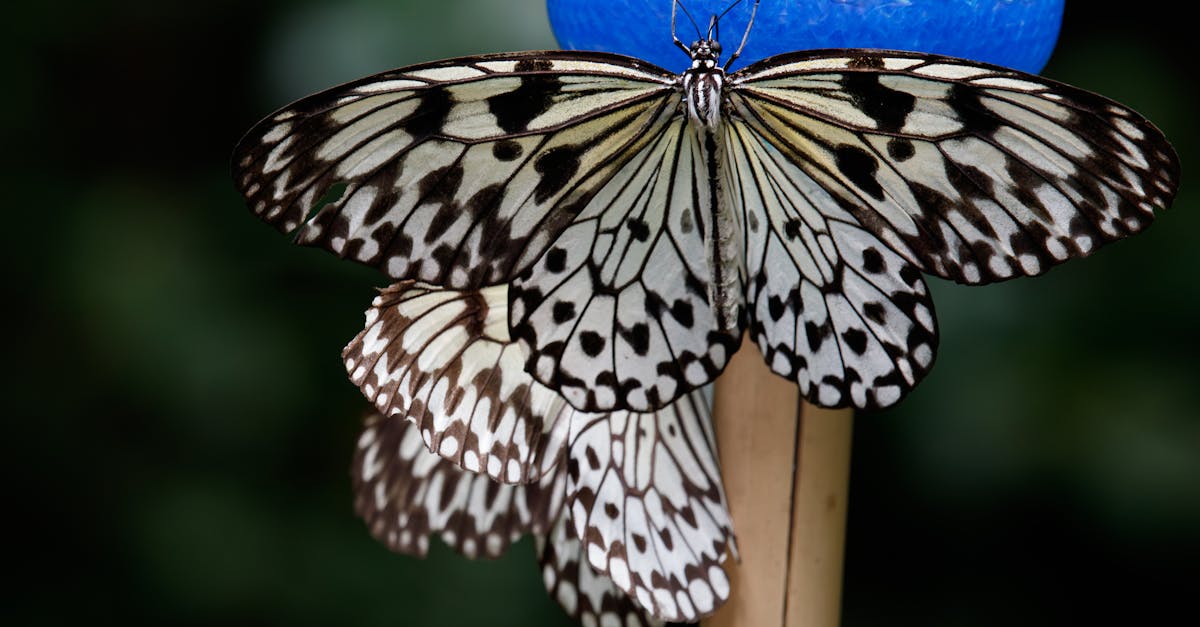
(786, 466)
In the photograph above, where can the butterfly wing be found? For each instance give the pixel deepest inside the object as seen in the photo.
(457, 173)
(973, 172)
(857, 170)
(587, 596)
(616, 314)
(405, 494)
(645, 496)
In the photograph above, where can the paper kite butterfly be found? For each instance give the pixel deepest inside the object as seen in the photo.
(580, 240)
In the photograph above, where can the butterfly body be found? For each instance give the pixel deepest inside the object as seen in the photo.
(702, 86)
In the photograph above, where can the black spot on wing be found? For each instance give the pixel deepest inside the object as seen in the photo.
(974, 116)
(900, 148)
(506, 150)
(429, 117)
(556, 260)
(639, 229)
(791, 228)
(638, 337)
(875, 312)
(775, 307)
(888, 107)
(856, 340)
(859, 167)
(682, 312)
(873, 261)
(816, 334)
(556, 167)
(564, 311)
(591, 342)
(514, 110)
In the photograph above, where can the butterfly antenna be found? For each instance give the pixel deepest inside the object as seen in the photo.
(677, 4)
(746, 35)
(729, 8)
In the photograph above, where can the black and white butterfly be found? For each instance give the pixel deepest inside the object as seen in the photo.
(644, 220)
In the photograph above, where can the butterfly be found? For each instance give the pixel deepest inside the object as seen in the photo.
(628, 508)
(644, 220)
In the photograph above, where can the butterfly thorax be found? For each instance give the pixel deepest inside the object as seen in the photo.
(702, 84)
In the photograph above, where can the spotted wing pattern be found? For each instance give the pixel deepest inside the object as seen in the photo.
(443, 360)
(616, 314)
(457, 173)
(859, 169)
(645, 497)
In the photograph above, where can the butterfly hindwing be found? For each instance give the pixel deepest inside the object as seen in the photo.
(405, 494)
(830, 305)
(616, 313)
(645, 496)
(587, 596)
(638, 540)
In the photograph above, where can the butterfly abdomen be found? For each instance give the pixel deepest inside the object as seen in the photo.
(703, 85)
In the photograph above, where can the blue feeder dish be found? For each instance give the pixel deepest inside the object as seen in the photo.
(1019, 34)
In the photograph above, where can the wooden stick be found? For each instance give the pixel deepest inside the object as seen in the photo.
(786, 467)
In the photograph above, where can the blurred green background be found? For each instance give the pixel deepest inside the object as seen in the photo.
(180, 426)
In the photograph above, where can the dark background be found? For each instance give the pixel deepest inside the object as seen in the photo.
(179, 425)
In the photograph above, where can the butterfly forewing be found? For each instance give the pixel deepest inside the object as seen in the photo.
(616, 313)
(457, 173)
(972, 172)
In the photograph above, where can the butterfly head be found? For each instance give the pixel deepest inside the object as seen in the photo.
(705, 53)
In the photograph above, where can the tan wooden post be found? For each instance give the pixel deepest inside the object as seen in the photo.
(786, 466)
